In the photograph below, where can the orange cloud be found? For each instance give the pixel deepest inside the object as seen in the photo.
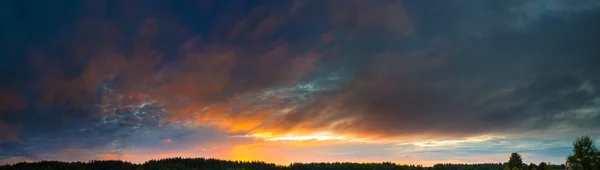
(204, 83)
(98, 56)
(194, 87)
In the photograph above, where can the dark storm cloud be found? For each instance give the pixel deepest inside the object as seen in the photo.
(9, 133)
(503, 80)
(368, 68)
(11, 101)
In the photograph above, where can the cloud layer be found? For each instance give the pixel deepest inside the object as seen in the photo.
(124, 77)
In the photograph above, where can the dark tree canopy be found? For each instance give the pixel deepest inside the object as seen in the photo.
(585, 153)
(531, 166)
(215, 164)
(542, 166)
(515, 161)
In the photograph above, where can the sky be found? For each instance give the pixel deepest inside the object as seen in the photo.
(281, 81)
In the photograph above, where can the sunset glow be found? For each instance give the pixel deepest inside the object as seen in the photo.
(320, 136)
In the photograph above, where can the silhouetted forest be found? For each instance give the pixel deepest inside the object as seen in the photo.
(216, 164)
(198, 164)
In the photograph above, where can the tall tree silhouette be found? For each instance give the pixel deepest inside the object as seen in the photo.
(515, 161)
(585, 153)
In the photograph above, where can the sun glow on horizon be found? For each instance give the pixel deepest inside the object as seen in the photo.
(452, 142)
(321, 136)
(307, 137)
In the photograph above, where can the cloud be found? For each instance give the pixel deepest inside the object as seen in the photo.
(359, 72)
(365, 16)
(392, 92)
(11, 101)
(403, 93)
(9, 134)
(450, 90)
(11, 104)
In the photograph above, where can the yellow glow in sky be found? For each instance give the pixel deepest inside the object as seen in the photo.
(293, 137)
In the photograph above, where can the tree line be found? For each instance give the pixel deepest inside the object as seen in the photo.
(516, 163)
(585, 156)
(215, 164)
(202, 164)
